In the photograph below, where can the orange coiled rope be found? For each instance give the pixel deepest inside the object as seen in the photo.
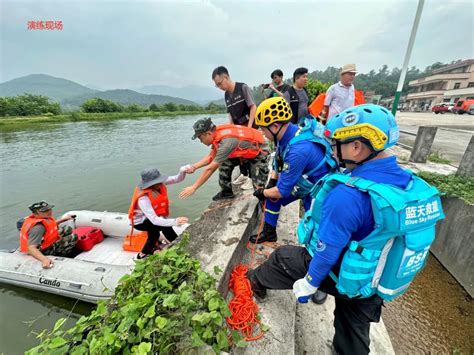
(242, 306)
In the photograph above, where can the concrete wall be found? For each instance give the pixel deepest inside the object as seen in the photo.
(454, 245)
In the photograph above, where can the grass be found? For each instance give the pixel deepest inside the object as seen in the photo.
(436, 157)
(20, 121)
(452, 185)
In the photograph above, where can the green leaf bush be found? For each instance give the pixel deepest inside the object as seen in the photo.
(166, 305)
(451, 185)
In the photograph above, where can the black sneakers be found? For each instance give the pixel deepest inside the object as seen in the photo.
(223, 195)
(268, 235)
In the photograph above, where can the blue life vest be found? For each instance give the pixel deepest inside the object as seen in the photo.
(312, 131)
(386, 261)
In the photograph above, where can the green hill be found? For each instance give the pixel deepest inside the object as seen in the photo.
(57, 89)
(71, 95)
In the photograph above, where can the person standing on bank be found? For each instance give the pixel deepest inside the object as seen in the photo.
(297, 95)
(149, 208)
(301, 159)
(342, 95)
(40, 236)
(368, 232)
(231, 146)
(241, 108)
(277, 87)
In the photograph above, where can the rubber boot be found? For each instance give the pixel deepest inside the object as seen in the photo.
(268, 234)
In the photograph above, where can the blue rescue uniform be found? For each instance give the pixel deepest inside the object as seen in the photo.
(301, 158)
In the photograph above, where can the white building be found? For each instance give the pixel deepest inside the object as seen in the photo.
(447, 84)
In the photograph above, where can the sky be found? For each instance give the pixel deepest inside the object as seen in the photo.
(128, 44)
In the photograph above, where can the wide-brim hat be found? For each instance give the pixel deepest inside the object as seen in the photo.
(349, 68)
(41, 206)
(151, 177)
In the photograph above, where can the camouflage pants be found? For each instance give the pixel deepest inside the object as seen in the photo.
(258, 171)
(66, 243)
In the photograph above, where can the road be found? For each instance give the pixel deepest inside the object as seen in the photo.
(453, 135)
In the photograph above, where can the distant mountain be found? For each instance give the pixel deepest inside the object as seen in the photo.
(125, 97)
(94, 87)
(57, 89)
(71, 95)
(196, 93)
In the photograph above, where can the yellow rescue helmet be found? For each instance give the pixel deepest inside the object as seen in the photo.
(272, 110)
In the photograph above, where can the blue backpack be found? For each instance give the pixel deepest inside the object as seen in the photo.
(312, 131)
(386, 261)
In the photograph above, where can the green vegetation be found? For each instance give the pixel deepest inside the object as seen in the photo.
(34, 109)
(28, 104)
(316, 87)
(436, 157)
(167, 305)
(100, 105)
(13, 123)
(452, 185)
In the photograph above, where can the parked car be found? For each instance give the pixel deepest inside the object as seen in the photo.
(462, 106)
(471, 110)
(442, 108)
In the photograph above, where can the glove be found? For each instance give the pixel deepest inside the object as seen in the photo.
(271, 183)
(303, 290)
(258, 193)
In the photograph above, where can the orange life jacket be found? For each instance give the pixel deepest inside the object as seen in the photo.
(50, 236)
(159, 201)
(242, 133)
(318, 103)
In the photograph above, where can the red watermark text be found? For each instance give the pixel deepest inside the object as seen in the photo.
(45, 25)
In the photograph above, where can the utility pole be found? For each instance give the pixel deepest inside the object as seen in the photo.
(403, 74)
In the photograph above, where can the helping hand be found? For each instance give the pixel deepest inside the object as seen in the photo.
(187, 191)
(181, 220)
(303, 290)
(189, 169)
(258, 193)
(47, 264)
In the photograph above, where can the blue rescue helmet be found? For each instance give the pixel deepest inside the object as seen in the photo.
(373, 124)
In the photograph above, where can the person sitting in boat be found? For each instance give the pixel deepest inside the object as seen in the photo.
(40, 235)
(149, 208)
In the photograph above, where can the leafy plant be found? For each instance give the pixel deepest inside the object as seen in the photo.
(166, 305)
(452, 185)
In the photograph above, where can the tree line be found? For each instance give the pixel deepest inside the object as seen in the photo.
(35, 105)
(383, 81)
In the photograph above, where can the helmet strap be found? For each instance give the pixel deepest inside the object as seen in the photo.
(275, 135)
(343, 162)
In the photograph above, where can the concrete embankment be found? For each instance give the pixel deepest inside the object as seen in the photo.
(453, 246)
(219, 238)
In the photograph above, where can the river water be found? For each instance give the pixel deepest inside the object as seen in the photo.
(91, 166)
(95, 166)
